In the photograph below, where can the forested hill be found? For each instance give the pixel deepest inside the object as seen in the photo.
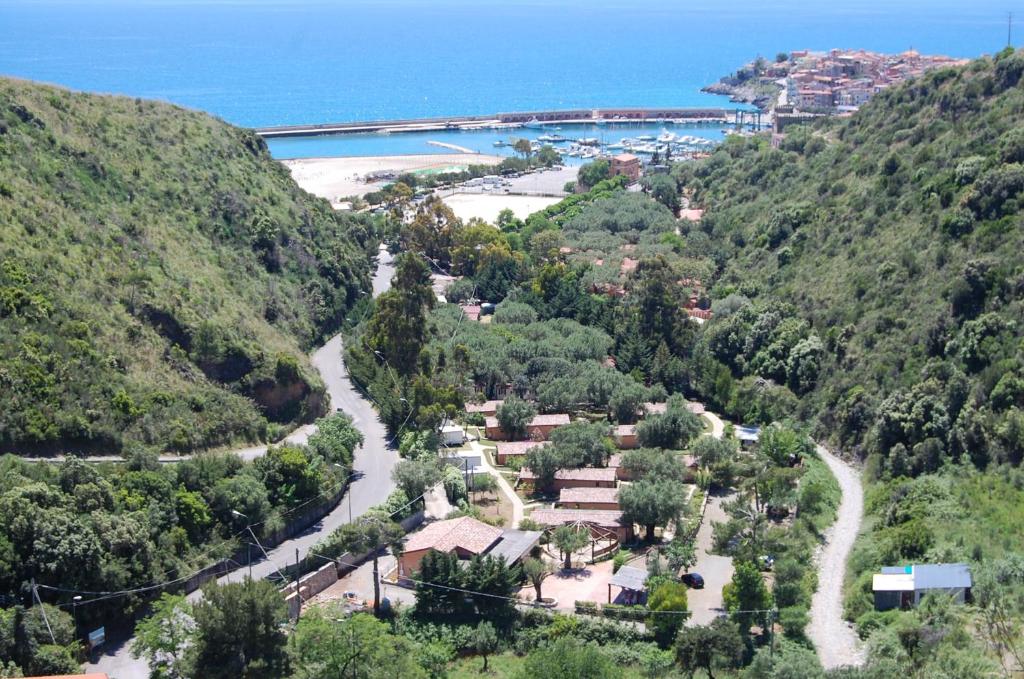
(873, 265)
(161, 277)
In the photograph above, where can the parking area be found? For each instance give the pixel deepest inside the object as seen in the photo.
(706, 604)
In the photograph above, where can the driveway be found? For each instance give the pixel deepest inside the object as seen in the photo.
(706, 604)
(373, 463)
(834, 638)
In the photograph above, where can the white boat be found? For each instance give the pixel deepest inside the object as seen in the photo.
(645, 137)
(617, 145)
(552, 138)
(587, 141)
(533, 124)
(666, 137)
(501, 143)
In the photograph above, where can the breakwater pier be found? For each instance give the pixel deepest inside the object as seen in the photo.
(498, 121)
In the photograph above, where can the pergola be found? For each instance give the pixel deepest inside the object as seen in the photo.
(628, 578)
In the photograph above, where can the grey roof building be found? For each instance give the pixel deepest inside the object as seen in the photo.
(904, 586)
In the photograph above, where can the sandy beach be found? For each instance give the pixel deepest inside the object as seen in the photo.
(336, 178)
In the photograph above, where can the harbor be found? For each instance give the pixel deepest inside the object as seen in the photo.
(576, 142)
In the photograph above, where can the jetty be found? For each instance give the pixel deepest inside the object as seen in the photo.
(498, 121)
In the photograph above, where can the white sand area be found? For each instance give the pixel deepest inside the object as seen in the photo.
(336, 178)
(487, 206)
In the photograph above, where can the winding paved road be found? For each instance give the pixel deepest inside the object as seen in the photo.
(834, 638)
(373, 463)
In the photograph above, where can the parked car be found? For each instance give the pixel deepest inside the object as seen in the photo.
(693, 580)
(766, 562)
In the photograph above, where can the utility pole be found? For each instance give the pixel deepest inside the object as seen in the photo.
(35, 594)
(298, 572)
(248, 544)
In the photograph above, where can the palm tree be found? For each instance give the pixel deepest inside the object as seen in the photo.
(371, 533)
(536, 571)
(568, 539)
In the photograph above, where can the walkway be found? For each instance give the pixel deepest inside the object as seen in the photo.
(373, 463)
(717, 425)
(834, 638)
(517, 502)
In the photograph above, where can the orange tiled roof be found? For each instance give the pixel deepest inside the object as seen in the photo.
(444, 536)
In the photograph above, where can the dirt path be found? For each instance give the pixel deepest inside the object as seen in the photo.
(503, 484)
(833, 637)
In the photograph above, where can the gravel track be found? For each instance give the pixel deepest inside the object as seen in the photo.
(834, 638)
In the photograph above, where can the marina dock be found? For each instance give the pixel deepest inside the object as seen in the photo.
(607, 116)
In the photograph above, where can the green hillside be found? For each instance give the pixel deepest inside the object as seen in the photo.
(871, 281)
(889, 247)
(161, 278)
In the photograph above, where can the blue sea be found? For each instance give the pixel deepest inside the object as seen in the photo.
(276, 62)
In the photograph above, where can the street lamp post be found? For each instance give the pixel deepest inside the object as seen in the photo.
(248, 542)
(74, 609)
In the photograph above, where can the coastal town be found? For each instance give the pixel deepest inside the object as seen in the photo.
(837, 81)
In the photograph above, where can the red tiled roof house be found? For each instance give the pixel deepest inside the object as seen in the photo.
(589, 498)
(539, 428)
(584, 477)
(507, 451)
(465, 536)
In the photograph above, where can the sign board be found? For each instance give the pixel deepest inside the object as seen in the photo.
(97, 637)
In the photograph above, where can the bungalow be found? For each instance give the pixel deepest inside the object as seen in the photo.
(624, 436)
(487, 408)
(747, 435)
(514, 450)
(589, 498)
(622, 474)
(600, 522)
(584, 477)
(539, 428)
(466, 537)
(615, 462)
(904, 586)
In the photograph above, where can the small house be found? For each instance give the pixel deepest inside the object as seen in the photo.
(904, 586)
(465, 537)
(624, 436)
(452, 434)
(625, 164)
(538, 429)
(584, 477)
(747, 435)
(589, 498)
(509, 451)
(487, 408)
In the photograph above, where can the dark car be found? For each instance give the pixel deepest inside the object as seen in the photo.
(694, 580)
